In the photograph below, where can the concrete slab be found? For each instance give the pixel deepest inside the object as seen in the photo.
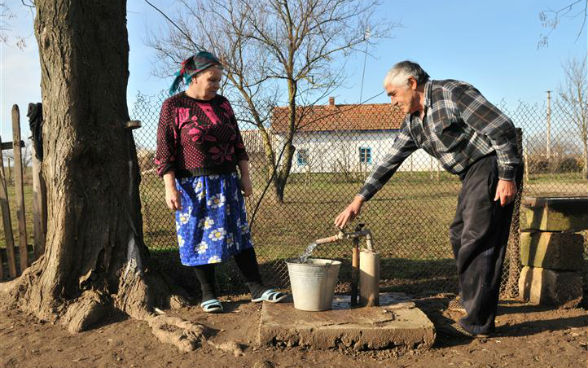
(554, 213)
(396, 324)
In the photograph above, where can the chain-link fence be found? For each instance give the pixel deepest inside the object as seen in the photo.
(334, 149)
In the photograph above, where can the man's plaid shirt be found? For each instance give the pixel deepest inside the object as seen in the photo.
(459, 127)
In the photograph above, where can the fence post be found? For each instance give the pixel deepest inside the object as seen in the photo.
(6, 221)
(39, 206)
(513, 247)
(19, 190)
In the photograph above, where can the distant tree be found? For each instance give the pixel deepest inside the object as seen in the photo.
(573, 100)
(275, 51)
(7, 16)
(550, 19)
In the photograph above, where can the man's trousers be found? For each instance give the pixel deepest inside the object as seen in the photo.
(479, 234)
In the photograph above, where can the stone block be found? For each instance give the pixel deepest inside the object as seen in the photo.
(396, 324)
(554, 214)
(549, 287)
(555, 251)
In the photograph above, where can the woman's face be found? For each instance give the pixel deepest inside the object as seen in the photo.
(205, 85)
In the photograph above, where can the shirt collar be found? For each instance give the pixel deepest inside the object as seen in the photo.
(428, 91)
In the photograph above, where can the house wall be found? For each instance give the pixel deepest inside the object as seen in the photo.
(339, 152)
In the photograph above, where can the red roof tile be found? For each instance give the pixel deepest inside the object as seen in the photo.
(339, 118)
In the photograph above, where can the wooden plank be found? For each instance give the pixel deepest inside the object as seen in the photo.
(8, 145)
(39, 207)
(7, 223)
(1, 266)
(19, 191)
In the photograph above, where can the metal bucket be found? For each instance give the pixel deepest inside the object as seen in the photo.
(313, 283)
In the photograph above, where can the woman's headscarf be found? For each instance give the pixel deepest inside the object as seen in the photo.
(192, 66)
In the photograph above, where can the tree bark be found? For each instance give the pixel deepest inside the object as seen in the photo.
(95, 255)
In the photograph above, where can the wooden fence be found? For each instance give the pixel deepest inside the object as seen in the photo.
(18, 256)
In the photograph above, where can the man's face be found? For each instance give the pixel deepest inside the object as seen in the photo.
(405, 96)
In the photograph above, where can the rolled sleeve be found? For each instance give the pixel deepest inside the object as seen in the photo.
(402, 147)
(165, 155)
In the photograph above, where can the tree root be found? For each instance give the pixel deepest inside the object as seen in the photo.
(230, 347)
(185, 335)
(139, 295)
(87, 310)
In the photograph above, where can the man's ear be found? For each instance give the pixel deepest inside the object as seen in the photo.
(412, 83)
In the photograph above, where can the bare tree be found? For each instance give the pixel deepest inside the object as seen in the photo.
(7, 17)
(550, 19)
(275, 51)
(574, 102)
(95, 256)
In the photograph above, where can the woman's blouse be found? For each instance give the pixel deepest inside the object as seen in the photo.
(198, 137)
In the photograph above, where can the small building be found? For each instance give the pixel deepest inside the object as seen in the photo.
(344, 138)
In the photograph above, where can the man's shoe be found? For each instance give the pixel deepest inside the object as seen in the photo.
(455, 305)
(457, 330)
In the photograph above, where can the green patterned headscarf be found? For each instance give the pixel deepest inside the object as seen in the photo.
(192, 66)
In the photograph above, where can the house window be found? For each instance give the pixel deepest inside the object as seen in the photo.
(365, 155)
(302, 157)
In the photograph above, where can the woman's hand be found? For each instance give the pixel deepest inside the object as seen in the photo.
(173, 199)
(172, 196)
(246, 186)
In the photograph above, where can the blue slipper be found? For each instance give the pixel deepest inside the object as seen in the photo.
(212, 306)
(270, 295)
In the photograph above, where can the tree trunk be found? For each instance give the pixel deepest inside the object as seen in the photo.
(585, 168)
(94, 258)
(286, 162)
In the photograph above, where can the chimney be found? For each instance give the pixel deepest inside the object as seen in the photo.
(332, 101)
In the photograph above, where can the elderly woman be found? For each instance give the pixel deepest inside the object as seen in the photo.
(199, 148)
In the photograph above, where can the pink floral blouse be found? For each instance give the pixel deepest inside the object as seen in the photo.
(197, 137)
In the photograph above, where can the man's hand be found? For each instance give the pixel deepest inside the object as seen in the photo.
(506, 191)
(173, 199)
(349, 213)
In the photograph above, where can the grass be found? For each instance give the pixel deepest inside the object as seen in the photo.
(409, 219)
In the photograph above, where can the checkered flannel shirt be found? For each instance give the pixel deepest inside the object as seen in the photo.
(459, 127)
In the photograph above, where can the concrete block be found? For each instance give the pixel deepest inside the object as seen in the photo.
(554, 214)
(555, 251)
(548, 287)
(396, 324)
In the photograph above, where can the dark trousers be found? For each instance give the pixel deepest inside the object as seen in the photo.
(479, 234)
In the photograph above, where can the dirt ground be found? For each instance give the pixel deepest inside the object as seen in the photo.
(527, 336)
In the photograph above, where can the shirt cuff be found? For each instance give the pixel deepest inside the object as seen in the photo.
(366, 192)
(506, 172)
(165, 168)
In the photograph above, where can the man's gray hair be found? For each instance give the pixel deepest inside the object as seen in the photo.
(399, 74)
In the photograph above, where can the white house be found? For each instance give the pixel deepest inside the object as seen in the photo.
(344, 138)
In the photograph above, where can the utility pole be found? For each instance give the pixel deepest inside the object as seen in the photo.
(548, 128)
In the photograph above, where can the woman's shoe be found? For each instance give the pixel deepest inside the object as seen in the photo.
(212, 306)
(270, 295)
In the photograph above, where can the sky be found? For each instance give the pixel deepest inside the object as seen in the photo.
(490, 44)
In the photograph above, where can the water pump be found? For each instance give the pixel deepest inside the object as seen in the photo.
(365, 266)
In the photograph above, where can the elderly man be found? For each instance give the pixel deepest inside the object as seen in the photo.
(471, 138)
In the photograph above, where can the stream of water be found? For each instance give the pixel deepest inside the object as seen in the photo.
(304, 257)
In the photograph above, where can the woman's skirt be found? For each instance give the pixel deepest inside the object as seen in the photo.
(212, 224)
